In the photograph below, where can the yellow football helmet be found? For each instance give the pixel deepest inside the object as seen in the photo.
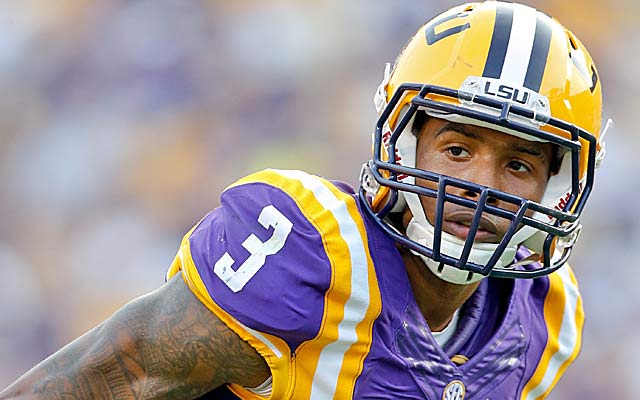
(510, 68)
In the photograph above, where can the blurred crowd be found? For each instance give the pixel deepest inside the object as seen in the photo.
(121, 121)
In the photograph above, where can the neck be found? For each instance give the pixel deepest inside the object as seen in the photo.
(437, 299)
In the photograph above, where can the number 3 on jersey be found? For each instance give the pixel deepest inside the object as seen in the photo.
(259, 250)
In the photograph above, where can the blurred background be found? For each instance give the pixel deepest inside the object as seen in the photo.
(121, 122)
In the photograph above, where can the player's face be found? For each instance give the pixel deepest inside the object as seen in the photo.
(486, 157)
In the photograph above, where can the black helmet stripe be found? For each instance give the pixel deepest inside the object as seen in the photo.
(518, 55)
(499, 41)
(539, 53)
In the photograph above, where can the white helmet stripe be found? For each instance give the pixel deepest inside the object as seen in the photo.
(518, 56)
(516, 61)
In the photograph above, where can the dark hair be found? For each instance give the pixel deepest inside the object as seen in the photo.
(418, 122)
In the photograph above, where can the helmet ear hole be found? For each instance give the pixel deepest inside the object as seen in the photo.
(572, 40)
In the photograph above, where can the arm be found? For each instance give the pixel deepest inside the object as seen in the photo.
(165, 344)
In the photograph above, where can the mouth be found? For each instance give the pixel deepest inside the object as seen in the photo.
(458, 224)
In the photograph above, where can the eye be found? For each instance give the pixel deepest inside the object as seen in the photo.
(518, 166)
(457, 151)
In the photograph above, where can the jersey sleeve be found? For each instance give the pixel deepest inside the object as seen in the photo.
(285, 262)
(261, 260)
(276, 253)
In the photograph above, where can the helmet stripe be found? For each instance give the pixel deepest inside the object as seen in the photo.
(499, 41)
(521, 41)
(519, 55)
(539, 54)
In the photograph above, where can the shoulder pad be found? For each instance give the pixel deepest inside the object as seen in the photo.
(267, 255)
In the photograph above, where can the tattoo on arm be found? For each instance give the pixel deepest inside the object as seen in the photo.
(163, 345)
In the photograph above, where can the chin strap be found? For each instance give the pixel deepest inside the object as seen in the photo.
(421, 231)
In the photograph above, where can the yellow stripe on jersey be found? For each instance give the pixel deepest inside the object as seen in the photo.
(327, 366)
(564, 316)
(274, 350)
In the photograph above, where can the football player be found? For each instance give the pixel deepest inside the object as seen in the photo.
(443, 276)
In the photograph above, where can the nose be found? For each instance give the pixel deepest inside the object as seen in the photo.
(482, 175)
(475, 195)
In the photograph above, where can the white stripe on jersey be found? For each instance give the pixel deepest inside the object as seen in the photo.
(567, 337)
(325, 380)
(520, 44)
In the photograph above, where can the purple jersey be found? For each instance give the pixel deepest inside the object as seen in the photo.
(291, 264)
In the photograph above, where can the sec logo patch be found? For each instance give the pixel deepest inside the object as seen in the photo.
(455, 390)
